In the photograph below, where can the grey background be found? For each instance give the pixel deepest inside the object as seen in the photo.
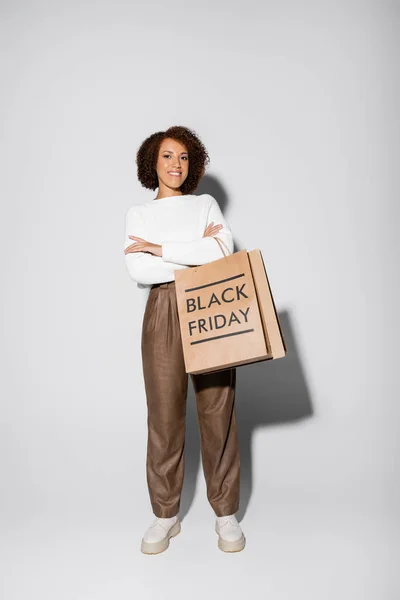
(297, 103)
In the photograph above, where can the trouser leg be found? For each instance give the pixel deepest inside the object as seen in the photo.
(166, 385)
(215, 399)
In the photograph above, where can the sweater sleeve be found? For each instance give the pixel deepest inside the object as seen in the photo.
(144, 268)
(204, 250)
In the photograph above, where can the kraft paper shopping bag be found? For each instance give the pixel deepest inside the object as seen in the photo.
(227, 314)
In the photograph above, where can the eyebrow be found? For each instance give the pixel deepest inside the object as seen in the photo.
(170, 151)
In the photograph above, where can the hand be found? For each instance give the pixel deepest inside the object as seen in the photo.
(142, 245)
(212, 229)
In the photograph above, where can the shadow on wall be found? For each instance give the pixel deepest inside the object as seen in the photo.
(268, 393)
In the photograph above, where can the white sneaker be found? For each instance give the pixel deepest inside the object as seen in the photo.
(156, 539)
(231, 537)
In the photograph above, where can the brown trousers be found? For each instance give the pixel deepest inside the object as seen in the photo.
(166, 384)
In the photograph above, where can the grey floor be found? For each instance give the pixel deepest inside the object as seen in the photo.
(296, 548)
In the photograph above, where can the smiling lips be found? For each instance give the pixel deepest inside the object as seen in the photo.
(175, 173)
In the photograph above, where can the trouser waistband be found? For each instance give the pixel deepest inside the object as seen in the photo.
(164, 284)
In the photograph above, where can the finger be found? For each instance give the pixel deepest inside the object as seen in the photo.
(134, 237)
(210, 228)
(133, 248)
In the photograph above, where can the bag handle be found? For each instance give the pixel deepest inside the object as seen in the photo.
(219, 242)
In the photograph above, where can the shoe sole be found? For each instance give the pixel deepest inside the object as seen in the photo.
(234, 546)
(162, 545)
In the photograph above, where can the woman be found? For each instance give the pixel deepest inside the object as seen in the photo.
(174, 231)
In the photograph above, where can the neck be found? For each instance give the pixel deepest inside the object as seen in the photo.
(167, 192)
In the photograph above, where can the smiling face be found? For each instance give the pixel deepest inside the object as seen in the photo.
(172, 165)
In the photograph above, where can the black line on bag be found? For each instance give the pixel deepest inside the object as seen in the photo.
(200, 287)
(216, 337)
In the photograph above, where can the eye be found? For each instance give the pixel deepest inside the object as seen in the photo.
(169, 156)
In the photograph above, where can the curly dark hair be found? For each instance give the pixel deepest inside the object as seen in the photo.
(147, 155)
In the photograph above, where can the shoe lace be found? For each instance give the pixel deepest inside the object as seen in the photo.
(230, 519)
(157, 521)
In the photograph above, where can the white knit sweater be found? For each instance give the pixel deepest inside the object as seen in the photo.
(178, 224)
